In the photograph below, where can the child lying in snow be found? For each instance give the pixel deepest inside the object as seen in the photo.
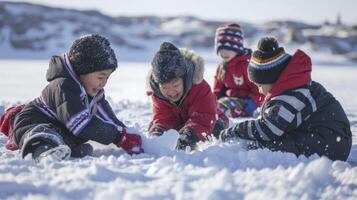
(298, 114)
(182, 99)
(72, 108)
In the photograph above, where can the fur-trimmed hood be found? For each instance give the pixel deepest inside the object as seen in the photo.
(197, 62)
(194, 73)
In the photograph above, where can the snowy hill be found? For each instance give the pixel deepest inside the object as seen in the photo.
(36, 31)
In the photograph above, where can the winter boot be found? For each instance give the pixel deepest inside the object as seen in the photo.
(44, 141)
(53, 154)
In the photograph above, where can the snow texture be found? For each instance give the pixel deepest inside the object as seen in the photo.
(215, 171)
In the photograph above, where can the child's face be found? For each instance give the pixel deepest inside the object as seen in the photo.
(264, 88)
(173, 90)
(95, 81)
(226, 55)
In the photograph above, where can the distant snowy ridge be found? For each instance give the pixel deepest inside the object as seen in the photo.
(36, 31)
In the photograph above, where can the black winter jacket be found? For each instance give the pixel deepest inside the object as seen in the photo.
(65, 105)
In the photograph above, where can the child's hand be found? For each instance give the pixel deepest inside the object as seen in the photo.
(228, 134)
(131, 143)
(249, 105)
(186, 139)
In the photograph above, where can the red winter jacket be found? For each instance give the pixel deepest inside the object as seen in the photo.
(296, 74)
(197, 111)
(232, 80)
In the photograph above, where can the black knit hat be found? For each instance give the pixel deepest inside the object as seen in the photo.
(267, 62)
(168, 63)
(91, 53)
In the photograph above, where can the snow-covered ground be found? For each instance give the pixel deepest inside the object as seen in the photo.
(216, 171)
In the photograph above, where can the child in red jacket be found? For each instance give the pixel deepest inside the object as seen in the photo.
(237, 95)
(182, 99)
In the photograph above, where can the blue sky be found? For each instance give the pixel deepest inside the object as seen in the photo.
(310, 11)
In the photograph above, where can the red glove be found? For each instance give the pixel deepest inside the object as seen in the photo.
(131, 143)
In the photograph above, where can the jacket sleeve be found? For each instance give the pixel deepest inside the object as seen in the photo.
(219, 88)
(106, 110)
(164, 117)
(72, 111)
(281, 115)
(202, 111)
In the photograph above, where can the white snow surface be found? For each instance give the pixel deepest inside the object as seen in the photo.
(215, 171)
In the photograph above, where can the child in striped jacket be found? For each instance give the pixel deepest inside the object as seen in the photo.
(298, 114)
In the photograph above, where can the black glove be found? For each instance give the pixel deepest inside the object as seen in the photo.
(187, 138)
(220, 126)
(228, 134)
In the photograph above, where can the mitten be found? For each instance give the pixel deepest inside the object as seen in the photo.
(249, 105)
(228, 134)
(232, 106)
(186, 139)
(219, 126)
(231, 103)
(130, 142)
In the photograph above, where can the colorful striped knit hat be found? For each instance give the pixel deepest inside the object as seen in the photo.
(267, 62)
(230, 37)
